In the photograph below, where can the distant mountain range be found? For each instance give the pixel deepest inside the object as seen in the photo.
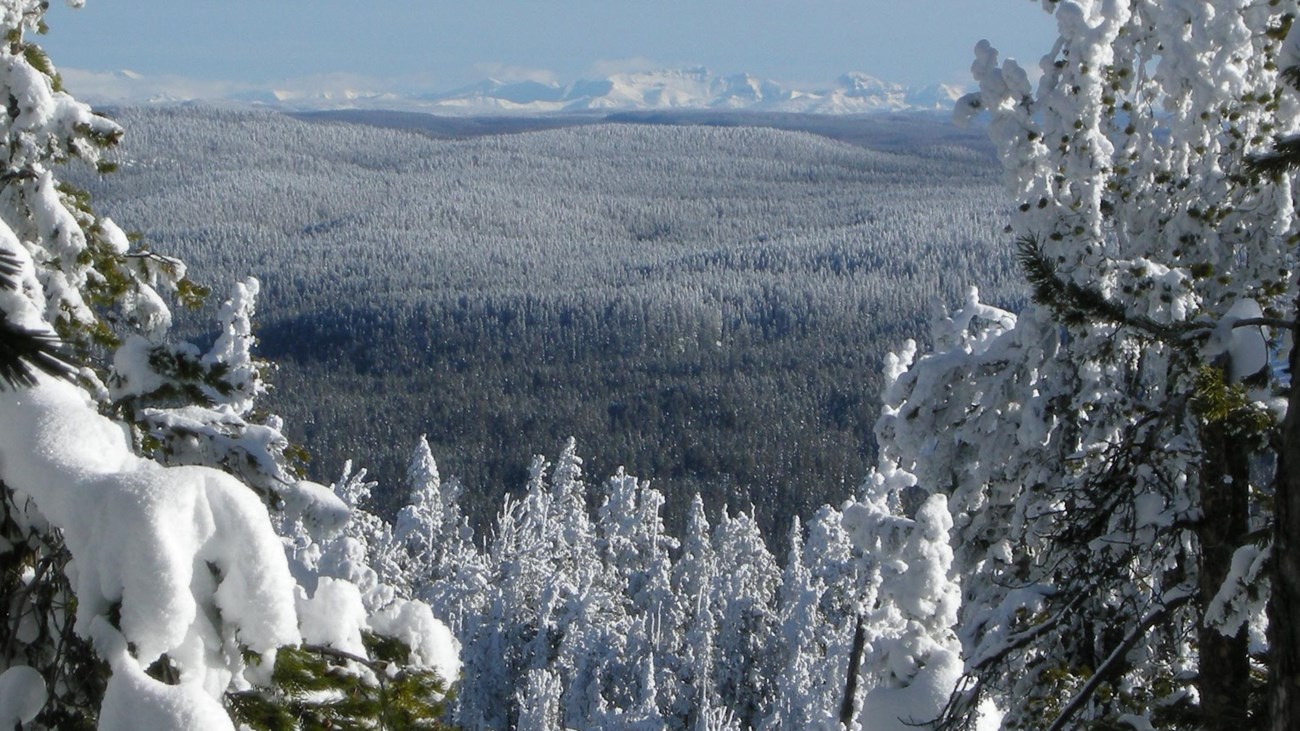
(853, 93)
(696, 88)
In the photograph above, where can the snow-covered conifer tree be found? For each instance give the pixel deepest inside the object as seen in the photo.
(693, 578)
(539, 703)
(494, 646)
(828, 554)
(165, 584)
(697, 563)
(745, 591)
(551, 606)
(1098, 449)
(807, 671)
(438, 558)
(143, 588)
(419, 527)
(911, 657)
(645, 715)
(196, 408)
(569, 524)
(634, 545)
(636, 553)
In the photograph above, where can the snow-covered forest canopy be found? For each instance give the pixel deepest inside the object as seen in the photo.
(706, 307)
(1083, 511)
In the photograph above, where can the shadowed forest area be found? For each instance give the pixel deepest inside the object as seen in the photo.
(701, 301)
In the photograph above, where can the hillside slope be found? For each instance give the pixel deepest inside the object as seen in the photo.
(704, 305)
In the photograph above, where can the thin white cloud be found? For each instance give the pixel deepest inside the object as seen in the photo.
(128, 87)
(508, 73)
(632, 64)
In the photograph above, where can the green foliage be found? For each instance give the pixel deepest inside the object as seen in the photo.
(1228, 405)
(37, 58)
(1281, 159)
(190, 294)
(26, 349)
(116, 279)
(316, 688)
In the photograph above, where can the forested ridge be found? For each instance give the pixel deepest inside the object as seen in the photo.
(707, 306)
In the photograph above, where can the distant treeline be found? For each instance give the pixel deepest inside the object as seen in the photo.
(705, 305)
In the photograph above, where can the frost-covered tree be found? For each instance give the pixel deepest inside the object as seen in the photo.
(166, 596)
(910, 656)
(192, 407)
(419, 526)
(569, 528)
(807, 686)
(497, 646)
(694, 574)
(363, 552)
(438, 559)
(539, 703)
(549, 605)
(745, 599)
(634, 545)
(635, 551)
(609, 631)
(1107, 452)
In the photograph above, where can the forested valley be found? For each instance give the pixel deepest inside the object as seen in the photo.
(702, 302)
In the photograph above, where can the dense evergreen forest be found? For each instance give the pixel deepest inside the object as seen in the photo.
(700, 301)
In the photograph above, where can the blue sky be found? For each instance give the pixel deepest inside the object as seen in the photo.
(438, 45)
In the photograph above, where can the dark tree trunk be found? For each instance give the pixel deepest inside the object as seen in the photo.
(1224, 675)
(855, 665)
(1284, 601)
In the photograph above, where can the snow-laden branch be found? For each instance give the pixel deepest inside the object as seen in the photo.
(184, 557)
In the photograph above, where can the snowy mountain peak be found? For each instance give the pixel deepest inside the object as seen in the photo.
(935, 96)
(696, 88)
(857, 83)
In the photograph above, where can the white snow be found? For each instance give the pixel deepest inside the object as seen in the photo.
(903, 708)
(691, 88)
(22, 695)
(1243, 595)
(134, 701)
(187, 554)
(431, 643)
(1246, 346)
(334, 616)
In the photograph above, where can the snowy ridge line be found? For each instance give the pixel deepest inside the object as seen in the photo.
(691, 88)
